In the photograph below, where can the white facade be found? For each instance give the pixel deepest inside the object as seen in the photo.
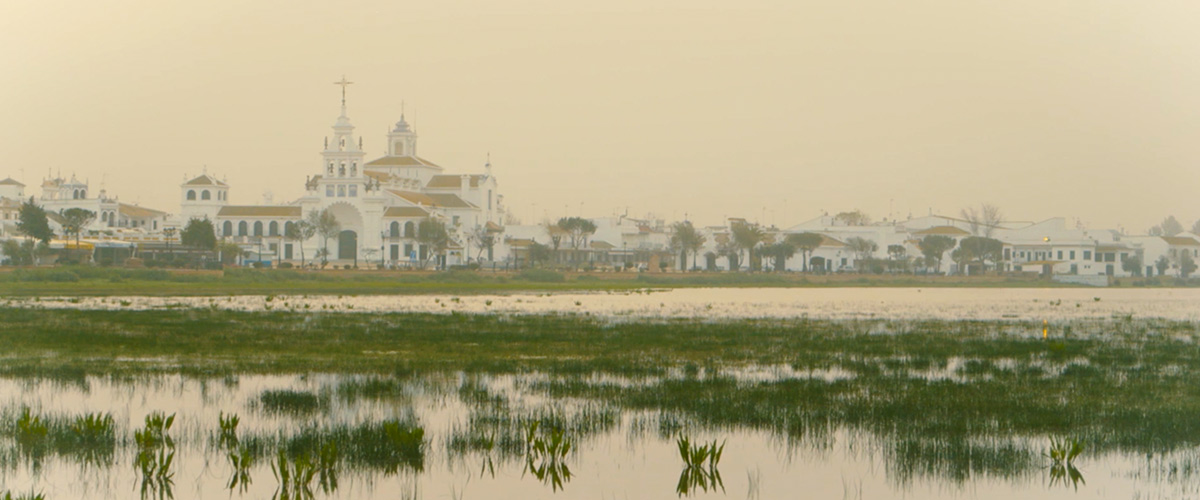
(377, 203)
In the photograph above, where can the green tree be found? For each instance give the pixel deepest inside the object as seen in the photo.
(15, 255)
(230, 252)
(300, 231)
(1162, 264)
(325, 224)
(978, 249)
(556, 233)
(854, 217)
(1132, 264)
(897, 255)
(780, 252)
(863, 250)
(686, 238)
(577, 230)
(199, 233)
(433, 235)
(538, 253)
(75, 220)
(934, 247)
(1187, 265)
(33, 223)
(1171, 226)
(806, 243)
(747, 236)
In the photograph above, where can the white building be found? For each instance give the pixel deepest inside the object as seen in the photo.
(378, 204)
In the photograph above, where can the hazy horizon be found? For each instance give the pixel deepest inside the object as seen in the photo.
(772, 111)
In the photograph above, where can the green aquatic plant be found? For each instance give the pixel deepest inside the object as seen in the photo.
(1062, 455)
(546, 455)
(156, 455)
(295, 476)
(291, 402)
(700, 466)
(1063, 451)
(242, 460)
(32, 431)
(228, 438)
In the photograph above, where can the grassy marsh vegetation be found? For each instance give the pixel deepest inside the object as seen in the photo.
(948, 399)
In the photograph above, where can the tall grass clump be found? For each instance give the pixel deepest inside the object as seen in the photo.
(700, 466)
(156, 454)
(291, 402)
(546, 452)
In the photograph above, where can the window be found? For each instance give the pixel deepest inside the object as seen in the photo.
(329, 171)
(341, 190)
(258, 228)
(191, 195)
(455, 220)
(1072, 255)
(287, 228)
(394, 229)
(242, 228)
(329, 191)
(409, 232)
(353, 190)
(205, 195)
(1087, 255)
(342, 170)
(227, 229)
(489, 199)
(353, 169)
(1060, 255)
(273, 229)
(408, 250)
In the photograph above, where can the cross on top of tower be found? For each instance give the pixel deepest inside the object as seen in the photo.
(344, 84)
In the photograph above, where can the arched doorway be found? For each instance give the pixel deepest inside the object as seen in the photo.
(347, 245)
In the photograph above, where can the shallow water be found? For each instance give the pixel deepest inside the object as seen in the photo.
(618, 454)
(1054, 304)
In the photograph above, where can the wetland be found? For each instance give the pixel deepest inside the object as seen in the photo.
(196, 401)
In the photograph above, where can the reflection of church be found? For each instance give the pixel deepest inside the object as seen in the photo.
(378, 204)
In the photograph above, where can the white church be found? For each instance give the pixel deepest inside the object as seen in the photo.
(377, 203)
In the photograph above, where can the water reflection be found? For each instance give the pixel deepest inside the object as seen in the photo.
(700, 471)
(546, 455)
(155, 455)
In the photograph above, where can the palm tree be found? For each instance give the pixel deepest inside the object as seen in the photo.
(747, 236)
(685, 237)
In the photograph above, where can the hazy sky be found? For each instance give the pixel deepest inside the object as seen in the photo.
(773, 111)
